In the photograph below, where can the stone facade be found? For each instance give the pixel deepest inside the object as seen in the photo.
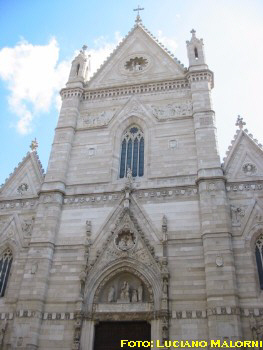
(174, 247)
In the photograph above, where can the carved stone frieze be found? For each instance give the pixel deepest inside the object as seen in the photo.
(90, 199)
(96, 118)
(244, 187)
(166, 194)
(172, 110)
(18, 204)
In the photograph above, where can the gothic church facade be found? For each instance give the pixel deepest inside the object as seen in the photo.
(136, 229)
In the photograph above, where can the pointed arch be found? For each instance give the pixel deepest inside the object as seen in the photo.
(132, 152)
(96, 282)
(259, 258)
(6, 259)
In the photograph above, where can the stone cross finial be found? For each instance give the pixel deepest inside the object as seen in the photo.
(138, 18)
(193, 33)
(34, 145)
(240, 122)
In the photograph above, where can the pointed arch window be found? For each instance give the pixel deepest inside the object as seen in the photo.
(6, 259)
(132, 152)
(259, 259)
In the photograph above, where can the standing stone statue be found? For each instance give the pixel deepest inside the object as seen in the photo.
(140, 291)
(125, 294)
(134, 298)
(111, 294)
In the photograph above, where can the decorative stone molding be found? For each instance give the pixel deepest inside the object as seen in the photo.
(244, 187)
(137, 89)
(121, 316)
(18, 204)
(169, 193)
(149, 315)
(90, 199)
(69, 93)
(172, 110)
(201, 76)
(6, 316)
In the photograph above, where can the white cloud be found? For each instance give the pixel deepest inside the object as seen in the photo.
(102, 50)
(169, 43)
(34, 76)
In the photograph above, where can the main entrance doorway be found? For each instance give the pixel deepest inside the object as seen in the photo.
(108, 335)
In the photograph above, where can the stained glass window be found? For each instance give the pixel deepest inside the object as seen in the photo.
(5, 266)
(259, 259)
(132, 152)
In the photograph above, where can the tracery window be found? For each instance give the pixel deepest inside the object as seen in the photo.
(132, 152)
(5, 265)
(259, 259)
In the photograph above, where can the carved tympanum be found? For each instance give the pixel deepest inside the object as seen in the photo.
(124, 288)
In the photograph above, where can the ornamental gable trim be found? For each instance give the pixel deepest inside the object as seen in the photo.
(138, 58)
(26, 179)
(244, 160)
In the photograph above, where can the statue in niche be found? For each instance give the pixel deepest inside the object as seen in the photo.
(125, 292)
(134, 297)
(111, 294)
(140, 292)
(82, 278)
(165, 286)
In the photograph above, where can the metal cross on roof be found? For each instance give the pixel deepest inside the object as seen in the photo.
(138, 18)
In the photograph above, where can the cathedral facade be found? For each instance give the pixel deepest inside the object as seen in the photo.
(136, 231)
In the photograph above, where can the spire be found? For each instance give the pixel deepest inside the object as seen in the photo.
(240, 122)
(195, 51)
(79, 68)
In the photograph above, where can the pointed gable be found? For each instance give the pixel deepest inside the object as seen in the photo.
(26, 179)
(244, 159)
(139, 57)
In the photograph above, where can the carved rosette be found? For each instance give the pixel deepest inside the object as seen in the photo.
(249, 169)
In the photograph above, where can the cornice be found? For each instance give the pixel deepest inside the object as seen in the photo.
(202, 75)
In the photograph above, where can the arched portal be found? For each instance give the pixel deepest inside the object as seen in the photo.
(127, 296)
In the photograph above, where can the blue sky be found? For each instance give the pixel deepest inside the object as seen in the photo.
(39, 38)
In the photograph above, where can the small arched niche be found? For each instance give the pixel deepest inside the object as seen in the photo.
(124, 288)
